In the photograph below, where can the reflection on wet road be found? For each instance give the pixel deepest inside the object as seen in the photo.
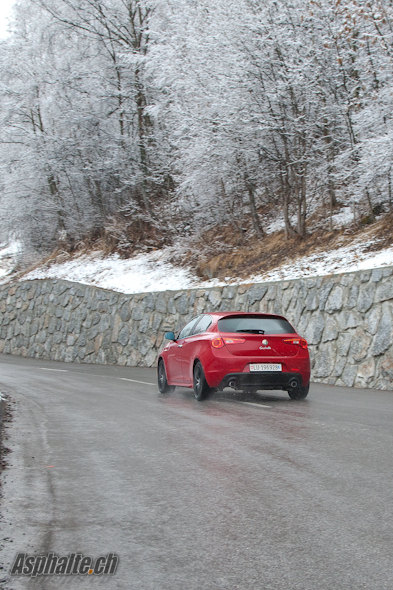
(247, 492)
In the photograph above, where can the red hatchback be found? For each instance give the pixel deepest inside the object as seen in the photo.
(246, 351)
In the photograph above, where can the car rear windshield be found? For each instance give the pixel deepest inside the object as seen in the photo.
(255, 325)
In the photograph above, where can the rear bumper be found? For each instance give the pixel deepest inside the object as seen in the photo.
(274, 380)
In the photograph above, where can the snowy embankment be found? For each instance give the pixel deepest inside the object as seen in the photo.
(154, 272)
(8, 259)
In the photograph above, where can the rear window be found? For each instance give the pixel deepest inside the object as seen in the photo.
(255, 325)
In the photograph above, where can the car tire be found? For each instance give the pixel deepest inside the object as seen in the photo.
(201, 387)
(299, 392)
(163, 386)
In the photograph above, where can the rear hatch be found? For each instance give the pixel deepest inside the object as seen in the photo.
(258, 335)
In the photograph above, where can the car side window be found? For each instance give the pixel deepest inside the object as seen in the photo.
(202, 325)
(186, 331)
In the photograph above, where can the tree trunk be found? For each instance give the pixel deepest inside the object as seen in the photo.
(286, 189)
(302, 208)
(254, 213)
(61, 227)
(370, 205)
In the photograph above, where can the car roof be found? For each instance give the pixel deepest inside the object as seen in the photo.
(223, 314)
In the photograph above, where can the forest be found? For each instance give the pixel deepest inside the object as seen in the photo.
(139, 122)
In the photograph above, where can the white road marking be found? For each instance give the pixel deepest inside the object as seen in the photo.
(57, 370)
(135, 381)
(257, 405)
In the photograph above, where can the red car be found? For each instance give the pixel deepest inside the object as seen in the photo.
(246, 351)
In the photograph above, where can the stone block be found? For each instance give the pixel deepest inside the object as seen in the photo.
(366, 372)
(325, 360)
(149, 302)
(41, 336)
(214, 298)
(82, 340)
(387, 367)
(71, 339)
(343, 343)
(334, 301)
(315, 328)
(372, 319)
(96, 318)
(376, 275)
(92, 332)
(125, 312)
(383, 336)
(113, 299)
(286, 299)
(366, 297)
(105, 322)
(229, 292)
(360, 345)
(324, 292)
(349, 319)
(65, 300)
(137, 312)
(172, 307)
(384, 291)
(57, 337)
(150, 358)
(339, 366)
(157, 320)
(353, 296)
(58, 312)
(331, 330)
(254, 293)
(144, 325)
(365, 276)
(161, 305)
(271, 293)
(124, 335)
(312, 302)
(103, 307)
(98, 343)
(303, 323)
(349, 375)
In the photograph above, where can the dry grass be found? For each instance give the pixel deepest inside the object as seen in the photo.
(231, 255)
(225, 251)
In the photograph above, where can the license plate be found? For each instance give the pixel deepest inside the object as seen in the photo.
(265, 367)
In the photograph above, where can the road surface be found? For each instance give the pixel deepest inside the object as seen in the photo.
(258, 493)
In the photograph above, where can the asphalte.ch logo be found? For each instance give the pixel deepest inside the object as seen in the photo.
(74, 564)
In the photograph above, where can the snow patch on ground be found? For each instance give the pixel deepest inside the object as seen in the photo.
(346, 259)
(276, 225)
(8, 257)
(343, 218)
(154, 272)
(140, 274)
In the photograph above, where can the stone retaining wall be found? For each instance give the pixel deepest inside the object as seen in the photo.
(347, 320)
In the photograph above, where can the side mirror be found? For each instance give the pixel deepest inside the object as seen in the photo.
(170, 336)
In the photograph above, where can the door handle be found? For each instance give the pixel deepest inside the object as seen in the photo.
(180, 346)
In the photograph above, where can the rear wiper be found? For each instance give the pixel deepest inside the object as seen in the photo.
(252, 331)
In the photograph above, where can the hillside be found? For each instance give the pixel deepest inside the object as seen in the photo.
(198, 261)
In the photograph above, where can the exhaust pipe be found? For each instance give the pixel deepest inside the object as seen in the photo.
(232, 384)
(294, 383)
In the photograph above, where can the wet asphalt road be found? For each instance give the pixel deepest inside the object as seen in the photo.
(233, 493)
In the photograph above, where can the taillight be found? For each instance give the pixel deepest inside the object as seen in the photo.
(299, 341)
(218, 343)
